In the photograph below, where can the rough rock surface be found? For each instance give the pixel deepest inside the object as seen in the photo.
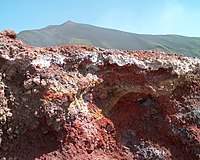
(77, 102)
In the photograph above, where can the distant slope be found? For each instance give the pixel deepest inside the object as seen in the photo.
(83, 34)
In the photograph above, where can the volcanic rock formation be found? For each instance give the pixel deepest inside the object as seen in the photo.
(79, 102)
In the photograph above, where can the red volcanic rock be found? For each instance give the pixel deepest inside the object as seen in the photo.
(10, 33)
(77, 102)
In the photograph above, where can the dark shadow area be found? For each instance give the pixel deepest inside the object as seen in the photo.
(141, 126)
(33, 144)
(25, 135)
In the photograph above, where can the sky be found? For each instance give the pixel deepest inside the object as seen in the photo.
(180, 17)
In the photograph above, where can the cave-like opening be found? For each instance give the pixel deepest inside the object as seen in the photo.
(141, 126)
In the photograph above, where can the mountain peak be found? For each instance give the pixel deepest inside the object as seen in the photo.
(76, 33)
(69, 22)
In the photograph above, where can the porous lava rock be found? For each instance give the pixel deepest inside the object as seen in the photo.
(79, 102)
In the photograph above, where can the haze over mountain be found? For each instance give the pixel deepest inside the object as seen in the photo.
(83, 34)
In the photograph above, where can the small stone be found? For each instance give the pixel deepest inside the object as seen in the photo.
(28, 92)
(109, 128)
(9, 131)
(43, 83)
(28, 84)
(35, 90)
(36, 80)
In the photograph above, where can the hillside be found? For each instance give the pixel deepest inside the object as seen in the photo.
(83, 34)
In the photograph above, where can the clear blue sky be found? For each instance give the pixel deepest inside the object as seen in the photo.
(138, 16)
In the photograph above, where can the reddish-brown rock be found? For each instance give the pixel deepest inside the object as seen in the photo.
(79, 102)
(10, 33)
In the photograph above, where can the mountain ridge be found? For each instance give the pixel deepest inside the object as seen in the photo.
(83, 34)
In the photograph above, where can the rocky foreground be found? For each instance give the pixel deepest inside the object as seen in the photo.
(77, 102)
